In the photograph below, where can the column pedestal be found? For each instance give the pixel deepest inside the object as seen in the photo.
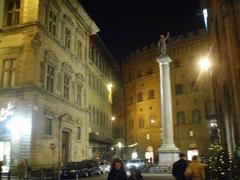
(168, 152)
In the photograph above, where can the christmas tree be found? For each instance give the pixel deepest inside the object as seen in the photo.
(236, 164)
(219, 165)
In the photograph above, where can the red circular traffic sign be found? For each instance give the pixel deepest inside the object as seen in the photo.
(52, 146)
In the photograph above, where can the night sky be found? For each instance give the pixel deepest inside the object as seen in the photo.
(130, 24)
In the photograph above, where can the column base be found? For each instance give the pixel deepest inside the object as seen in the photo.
(167, 155)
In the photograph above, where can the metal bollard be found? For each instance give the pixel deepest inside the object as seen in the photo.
(9, 175)
(76, 175)
(59, 174)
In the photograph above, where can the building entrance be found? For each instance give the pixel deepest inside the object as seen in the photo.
(65, 146)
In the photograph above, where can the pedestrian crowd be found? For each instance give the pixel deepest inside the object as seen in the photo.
(118, 172)
(185, 170)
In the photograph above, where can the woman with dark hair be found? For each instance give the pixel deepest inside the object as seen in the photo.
(135, 174)
(117, 171)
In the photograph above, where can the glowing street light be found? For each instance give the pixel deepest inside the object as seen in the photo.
(113, 118)
(205, 64)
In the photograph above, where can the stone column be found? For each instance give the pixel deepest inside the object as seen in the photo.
(168, 152)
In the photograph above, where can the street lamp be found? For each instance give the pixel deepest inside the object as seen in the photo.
(113, 118)
(119, 145)
(205, 64)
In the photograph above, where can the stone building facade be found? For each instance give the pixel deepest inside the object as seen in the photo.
(191, 91)
(101, 68)
(44, 47)
(224, 29)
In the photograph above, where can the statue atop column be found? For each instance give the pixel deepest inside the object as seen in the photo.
(162, 45)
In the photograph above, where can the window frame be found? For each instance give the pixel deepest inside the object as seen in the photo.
(66, 94)
(13, 11)
(48, 129)
(79, 133)
(53, 24)
(194, 113)
(50, 77)
(10, 71)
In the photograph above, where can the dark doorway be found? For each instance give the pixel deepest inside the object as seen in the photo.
(65, 146)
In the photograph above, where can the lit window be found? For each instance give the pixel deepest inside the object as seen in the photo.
(79, 133)
(79, 94)
(48, 130)
(147, 136)
(67, 37)
(190, 132)
(52, 24)
(9, 71)
(66, 87)
(13, 12)
(50, 78)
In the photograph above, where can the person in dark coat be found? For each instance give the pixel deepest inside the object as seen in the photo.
(179, 167)
(135, 174)
(117, 171)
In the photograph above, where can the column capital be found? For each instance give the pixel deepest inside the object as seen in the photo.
(164, 60)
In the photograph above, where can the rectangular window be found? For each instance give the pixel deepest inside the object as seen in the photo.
(50, 78)
(13, 12)
(79, 133)
(9, 71)
(151, 94)
(48, 126)
(52, 23)
(147, 136)
(67, 37)
(178, 89)
(66, 87)
(196, 115)
(79, 95)
(79, 48)
(180, 117)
